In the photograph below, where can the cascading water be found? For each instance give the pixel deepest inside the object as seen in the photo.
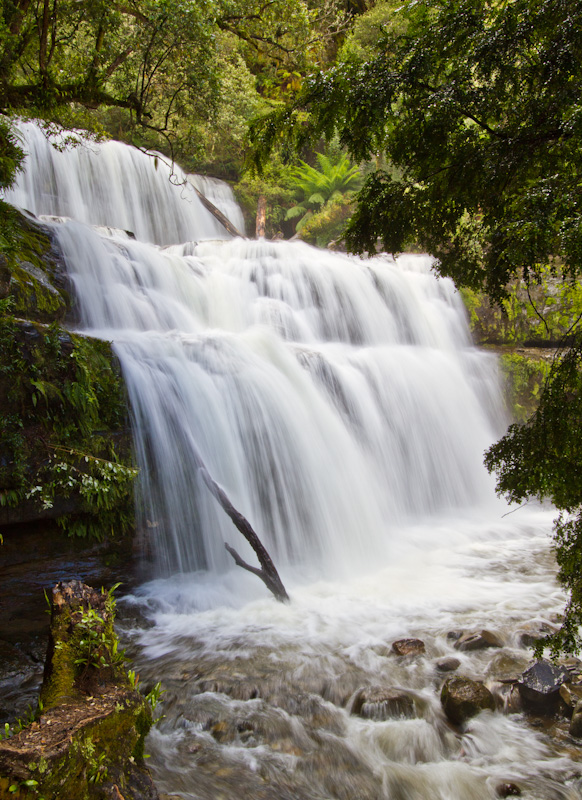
(342, 407)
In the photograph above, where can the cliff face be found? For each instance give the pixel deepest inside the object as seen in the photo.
(65, 452)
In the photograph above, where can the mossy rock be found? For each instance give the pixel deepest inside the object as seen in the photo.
(81, 750)
(32, 274)
(88, 742)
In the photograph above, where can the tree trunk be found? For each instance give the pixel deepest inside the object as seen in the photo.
(261, 216)
(217, 213)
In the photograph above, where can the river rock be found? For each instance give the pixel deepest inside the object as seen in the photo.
(449, 664)
(408, 647)
(381, 703)
(533, 632)
(576, 721)
(571, 694)
(507, 790)
(507, 667)
(463, 698)
(539, 687)
(478, 641)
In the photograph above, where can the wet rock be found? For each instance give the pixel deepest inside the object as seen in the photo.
(533, 632)
(574, 667)
(507, 667)
(408, 647)
(477, 641)
(449, 664)
(539, 687)
(453, 636)
(507, 790)
(381, 703)
(571, 694)
(576, 721)
(463, 698)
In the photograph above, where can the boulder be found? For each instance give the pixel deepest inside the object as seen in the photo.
(463, 698)
(449, 664)
(381, 703)
(408, 647)
(539, 687)
(478, 640)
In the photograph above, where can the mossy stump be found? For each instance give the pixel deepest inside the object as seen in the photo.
(88, 742)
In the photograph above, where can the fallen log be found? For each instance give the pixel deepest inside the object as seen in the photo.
(268, 572)
(216, 212)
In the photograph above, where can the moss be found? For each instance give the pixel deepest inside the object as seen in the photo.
(524, 376)
(66, 450)
(90, 736)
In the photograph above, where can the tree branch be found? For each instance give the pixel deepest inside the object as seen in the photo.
(268, 572)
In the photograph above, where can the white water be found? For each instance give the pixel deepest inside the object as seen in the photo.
(341, 405)
(111, 184)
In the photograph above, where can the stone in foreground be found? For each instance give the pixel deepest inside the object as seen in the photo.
(463, 698)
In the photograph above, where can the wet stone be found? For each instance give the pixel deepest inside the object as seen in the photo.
(463, 698)
(539, 687)
(477, 641)
(507, 667)
(571, 694)
(408, 647)
(381, 703)
(507, 790)
(448, 664)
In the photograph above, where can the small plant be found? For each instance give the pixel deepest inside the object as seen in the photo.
(98, 647)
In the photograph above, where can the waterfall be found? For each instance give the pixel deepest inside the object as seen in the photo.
(340, 403)
(333, 398)
(111, 184)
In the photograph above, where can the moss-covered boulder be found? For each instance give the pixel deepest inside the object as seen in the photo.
(32, 274)
(88, 741)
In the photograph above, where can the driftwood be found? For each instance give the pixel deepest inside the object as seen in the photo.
(268, 572)
(217, 213)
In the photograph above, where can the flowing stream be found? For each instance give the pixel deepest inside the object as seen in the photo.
(342, 407)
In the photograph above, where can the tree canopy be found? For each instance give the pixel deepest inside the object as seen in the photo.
(474, 107)
(164, 63)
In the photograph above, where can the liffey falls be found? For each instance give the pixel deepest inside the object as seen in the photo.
(340, 404)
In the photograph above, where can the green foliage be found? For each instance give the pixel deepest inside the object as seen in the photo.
(318, 187)
(478, 106)
(273, 185)
(60, 397)
(327, 225)
(524, 379)
(159, 73)
(98, 646)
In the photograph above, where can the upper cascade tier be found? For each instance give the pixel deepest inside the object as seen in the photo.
(112, 184)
